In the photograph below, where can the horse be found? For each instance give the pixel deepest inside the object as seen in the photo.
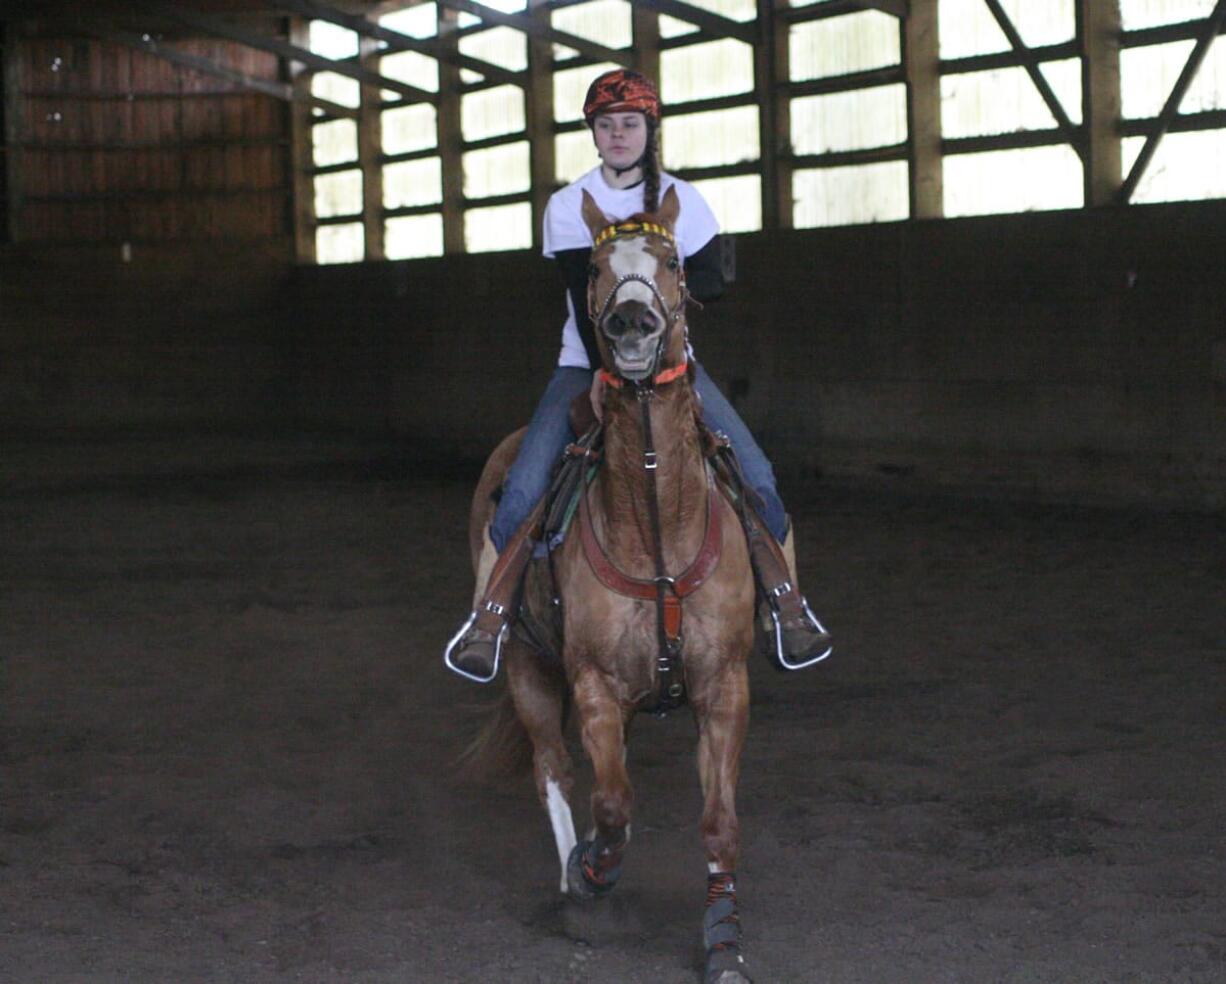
(652, 597)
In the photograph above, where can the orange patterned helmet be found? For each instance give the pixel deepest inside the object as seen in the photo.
(622, 91)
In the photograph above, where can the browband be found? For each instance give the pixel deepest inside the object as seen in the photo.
(618, 229)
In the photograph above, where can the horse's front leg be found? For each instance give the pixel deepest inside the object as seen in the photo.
(722, 711)
(595, 863)
(538, 693)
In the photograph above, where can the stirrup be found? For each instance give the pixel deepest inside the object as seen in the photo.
(455, 640)
(778, 634)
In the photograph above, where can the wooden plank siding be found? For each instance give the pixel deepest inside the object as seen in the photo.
(115, 145)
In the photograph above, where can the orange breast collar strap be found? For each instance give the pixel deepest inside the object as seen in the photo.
(666, 376)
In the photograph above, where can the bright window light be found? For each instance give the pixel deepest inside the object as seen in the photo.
(338, 194)
(498, 227)
(835, 196)
(736, 201)
(874, 117)
(1026, 180)
(411, 236)
(340, 243)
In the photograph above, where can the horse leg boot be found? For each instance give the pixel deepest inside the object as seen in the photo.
(800, 639)
(474, 652)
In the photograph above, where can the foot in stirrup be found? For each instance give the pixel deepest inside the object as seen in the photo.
(475, 655)
(476, 650)
(801, 639)
(796, 638)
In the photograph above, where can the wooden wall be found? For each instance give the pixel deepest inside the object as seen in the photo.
(149, 243)
(110, 144)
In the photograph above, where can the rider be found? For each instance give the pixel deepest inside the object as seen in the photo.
(622, 109)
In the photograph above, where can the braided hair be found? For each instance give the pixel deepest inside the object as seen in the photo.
(651, 168)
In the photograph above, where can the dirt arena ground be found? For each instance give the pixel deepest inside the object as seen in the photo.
(228, 741)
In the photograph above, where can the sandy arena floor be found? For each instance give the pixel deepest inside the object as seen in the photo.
(227, 743)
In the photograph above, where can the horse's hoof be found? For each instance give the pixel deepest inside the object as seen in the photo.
(579, 884)
(726, 967)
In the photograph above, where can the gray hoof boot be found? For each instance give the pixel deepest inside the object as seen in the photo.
(726, 967)
(584, 879)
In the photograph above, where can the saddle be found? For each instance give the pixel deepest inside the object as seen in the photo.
(540, 618)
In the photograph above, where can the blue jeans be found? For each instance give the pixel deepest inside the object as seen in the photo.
(549, 432)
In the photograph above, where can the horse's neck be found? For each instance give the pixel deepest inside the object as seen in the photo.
(680, 480)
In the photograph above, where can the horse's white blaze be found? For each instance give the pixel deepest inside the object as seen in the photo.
(563, 824)
(631, 256)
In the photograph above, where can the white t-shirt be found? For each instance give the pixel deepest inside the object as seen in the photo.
(565, 229)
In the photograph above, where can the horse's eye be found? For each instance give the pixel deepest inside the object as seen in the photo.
(673, 264)
(592, 272)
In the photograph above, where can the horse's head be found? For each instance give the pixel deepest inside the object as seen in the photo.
(636, 290)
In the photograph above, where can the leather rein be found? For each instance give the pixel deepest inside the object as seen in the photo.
(665, 589)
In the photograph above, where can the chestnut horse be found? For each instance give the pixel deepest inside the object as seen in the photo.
(650, 505)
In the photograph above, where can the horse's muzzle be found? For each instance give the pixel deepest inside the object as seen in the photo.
(633, 330)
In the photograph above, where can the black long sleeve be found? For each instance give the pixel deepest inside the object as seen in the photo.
(704, 272)
(573, 265)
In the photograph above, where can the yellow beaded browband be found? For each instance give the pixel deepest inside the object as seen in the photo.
(631, 228)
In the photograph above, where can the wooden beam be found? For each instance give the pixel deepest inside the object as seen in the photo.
(398, 41)
(13, 135)
(1010, 59)
(852, 81)
(771, 60)
(645, 39)
(922, 61)
(1098, 35)
(370, 150)
(1016, 140)
(1031, 64)
(231, 32)
(151, 46)
(302, 151)
(1210, 29)
(838, 8)
(1210, 119)
(1164, 34)
(850, 158)
(538, 113)
(711, 24)
(524, 23)
(450, 139)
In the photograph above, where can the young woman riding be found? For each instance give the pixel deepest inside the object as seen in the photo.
(622, 109)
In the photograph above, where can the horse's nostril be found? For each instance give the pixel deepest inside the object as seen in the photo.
(617, 325)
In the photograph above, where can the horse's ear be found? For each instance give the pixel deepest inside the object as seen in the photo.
(669, 208)
(593, 216)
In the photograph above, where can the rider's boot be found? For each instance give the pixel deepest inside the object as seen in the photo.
(798, 638)
(476, 649)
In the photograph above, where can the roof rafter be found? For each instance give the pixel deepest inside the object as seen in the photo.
(151, 46)
(398, 41)
(530, 27)
(283, 49)
(1210, 29)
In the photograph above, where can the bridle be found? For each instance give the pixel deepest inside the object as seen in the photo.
(672, 315)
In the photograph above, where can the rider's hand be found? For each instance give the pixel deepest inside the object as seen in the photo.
(597, 395)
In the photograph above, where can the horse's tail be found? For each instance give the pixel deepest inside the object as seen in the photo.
(501, 748)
